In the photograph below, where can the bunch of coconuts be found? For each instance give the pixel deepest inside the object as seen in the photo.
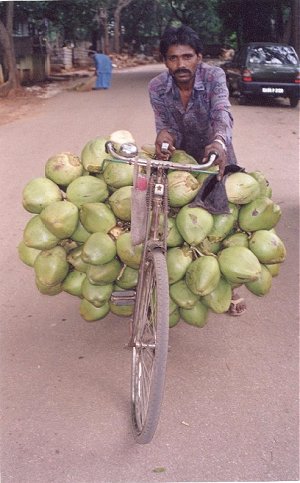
(78, 239)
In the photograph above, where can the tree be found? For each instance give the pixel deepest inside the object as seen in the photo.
(6, 40)
(257, 20)
(117, 21)
(295, 16)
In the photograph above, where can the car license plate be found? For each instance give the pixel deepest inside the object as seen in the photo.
(272, 90)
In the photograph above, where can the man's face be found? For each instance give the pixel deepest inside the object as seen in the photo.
(182, 61)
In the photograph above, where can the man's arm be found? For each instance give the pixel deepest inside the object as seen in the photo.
(220, 119)
(220, 116)
(164, 129)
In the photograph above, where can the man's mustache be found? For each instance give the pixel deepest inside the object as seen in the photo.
(182, 71)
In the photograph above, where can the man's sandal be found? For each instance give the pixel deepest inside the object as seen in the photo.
(233, 310)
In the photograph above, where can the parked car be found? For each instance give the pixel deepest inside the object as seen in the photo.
(264, 69)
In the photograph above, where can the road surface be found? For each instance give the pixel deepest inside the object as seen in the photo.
(230, 410)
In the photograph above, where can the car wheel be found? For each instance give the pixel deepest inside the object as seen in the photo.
(230, 88)
(242, 100)
(294, 101)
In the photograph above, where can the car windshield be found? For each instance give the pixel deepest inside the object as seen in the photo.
(280, 55)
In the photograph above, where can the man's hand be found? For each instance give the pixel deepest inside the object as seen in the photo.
(164, 137)
(221, 160)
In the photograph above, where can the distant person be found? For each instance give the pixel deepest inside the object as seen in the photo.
(103, 66)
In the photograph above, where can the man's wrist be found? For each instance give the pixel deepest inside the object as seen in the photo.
(221, 142)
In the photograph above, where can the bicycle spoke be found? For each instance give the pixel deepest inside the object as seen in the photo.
(149, 358)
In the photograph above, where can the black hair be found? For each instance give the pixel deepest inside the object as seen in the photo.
(182, 35)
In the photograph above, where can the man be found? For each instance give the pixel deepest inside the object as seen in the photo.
(103, 66)
(191, 107)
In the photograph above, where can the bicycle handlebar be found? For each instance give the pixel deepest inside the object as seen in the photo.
(132, 158)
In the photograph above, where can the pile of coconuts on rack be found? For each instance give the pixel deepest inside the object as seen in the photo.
(78, 238)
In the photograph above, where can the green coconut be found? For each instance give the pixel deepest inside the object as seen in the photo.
(269, 192)
(118, 175)
(203, 275)
(39, 193)
(120, 203)
(97, 295)
(174, 239)
(87, 189)
(90, 313)
(207, 247)
(172, 305)
(98, 249)
(182, 188)
(94, 155)
(239, 264)
(127, 278)
(201, 177)
(73, 282)
(178, 260)
(219, 299)
(196, 316)
(223, 224)
(239, 239)
(174, 318)
(267, 246)
(194, 224)
(121, 310)
(27, 254)
(149, 150)
(241, 188)
(36, 235)
(121, 136)
(60, 218)
(104, 274)
(48, 290)
(262, 181)
(74, 258)
(130, 255)
(97, 217)
(63, 168)
(260, 214)
(80, 234)
(51, 266)
(273, 268)
(182, 295)
(263, 284)
(181, 157)
(68, 244)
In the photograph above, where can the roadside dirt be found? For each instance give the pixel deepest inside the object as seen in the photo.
(30, 99)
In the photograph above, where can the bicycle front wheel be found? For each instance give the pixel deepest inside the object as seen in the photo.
(150, 348)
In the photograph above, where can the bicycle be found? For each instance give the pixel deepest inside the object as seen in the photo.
(150, 323)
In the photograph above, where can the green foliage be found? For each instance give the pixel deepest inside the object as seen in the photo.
(142, 22)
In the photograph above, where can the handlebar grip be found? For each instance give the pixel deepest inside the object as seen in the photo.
(212, 156)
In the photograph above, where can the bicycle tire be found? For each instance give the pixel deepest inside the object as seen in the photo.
(149, 357)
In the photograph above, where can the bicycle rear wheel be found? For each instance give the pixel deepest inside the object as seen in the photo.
(150, 350)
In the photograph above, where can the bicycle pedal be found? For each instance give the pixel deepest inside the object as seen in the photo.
(124, 297)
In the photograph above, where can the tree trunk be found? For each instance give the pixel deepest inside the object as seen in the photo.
(104, 27)
(117, 20)
(295, 18)
(6, 40)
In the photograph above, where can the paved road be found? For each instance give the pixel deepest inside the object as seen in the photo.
(230, 411)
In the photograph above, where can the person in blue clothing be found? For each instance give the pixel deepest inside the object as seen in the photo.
(103, 66)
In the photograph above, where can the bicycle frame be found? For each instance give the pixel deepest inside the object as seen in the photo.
(150, 323)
